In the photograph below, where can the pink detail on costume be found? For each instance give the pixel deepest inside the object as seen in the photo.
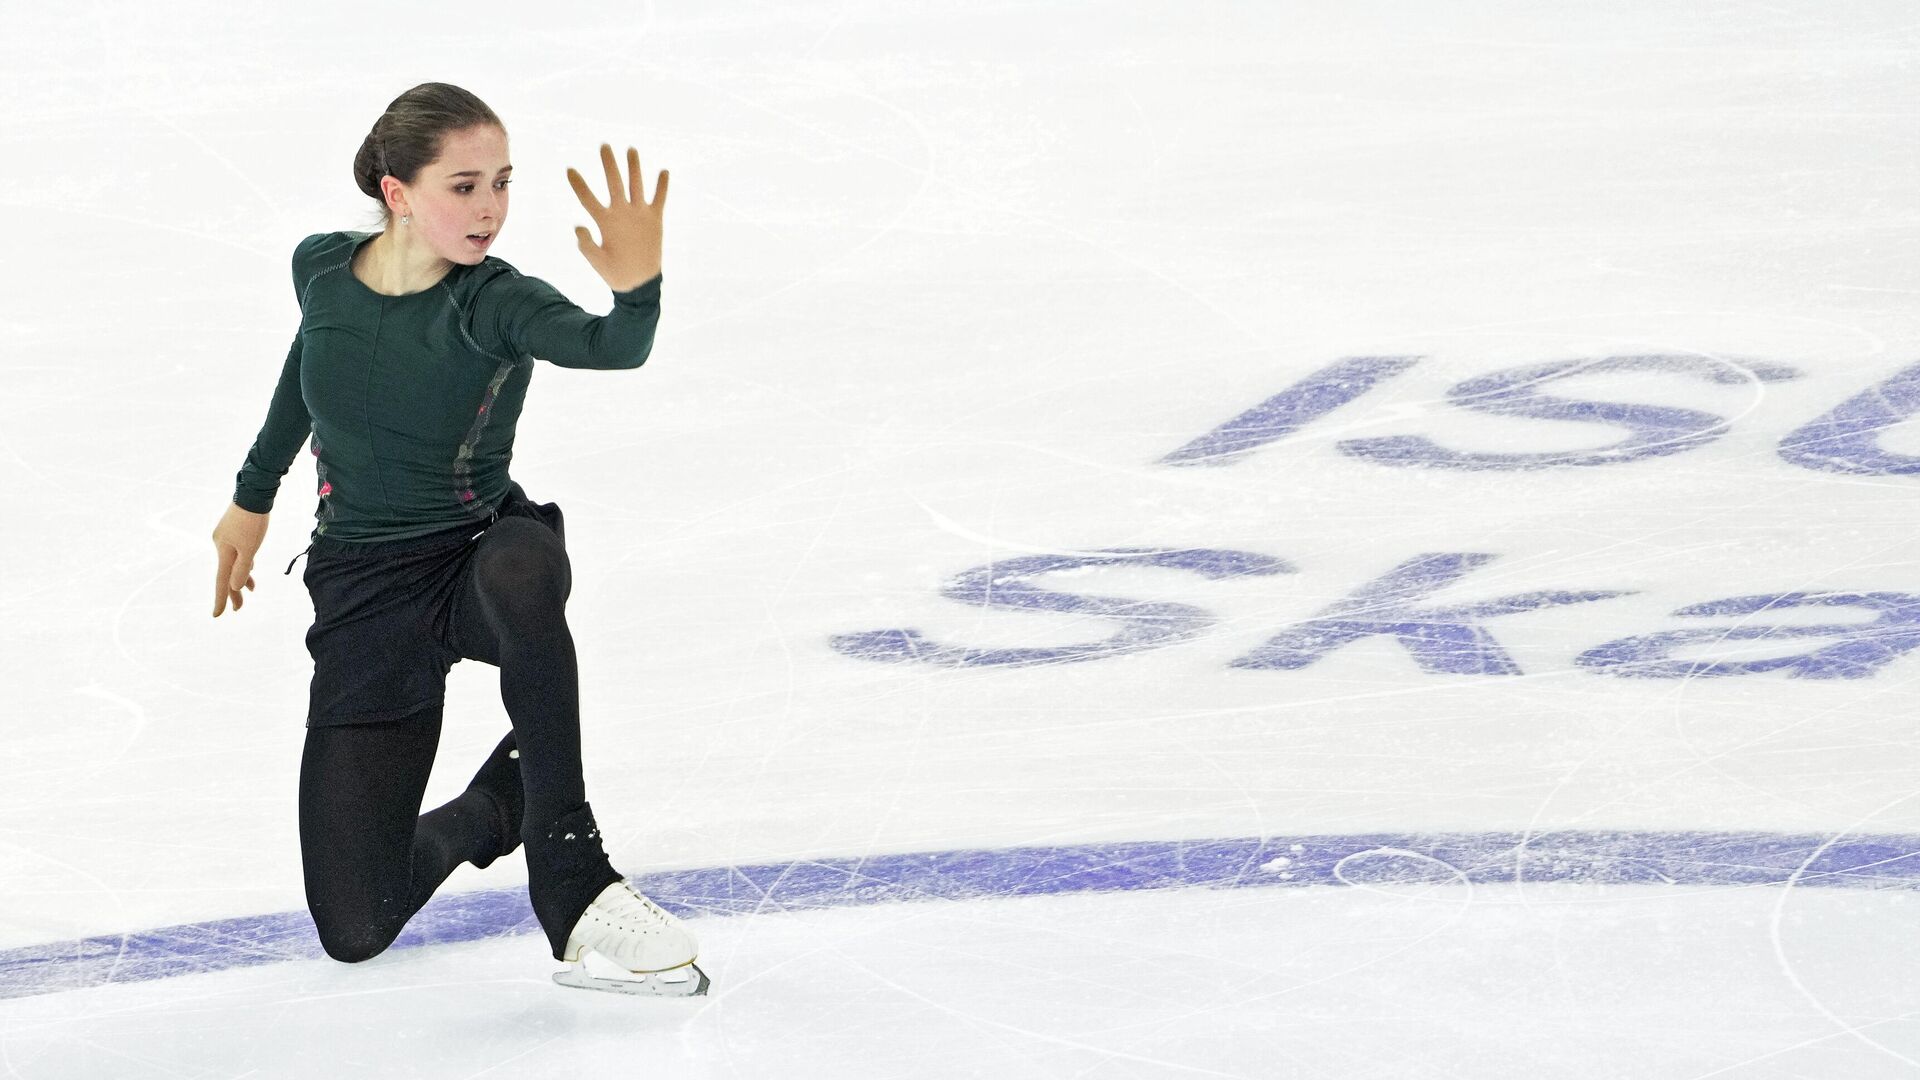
(467, 495)
(326, 488)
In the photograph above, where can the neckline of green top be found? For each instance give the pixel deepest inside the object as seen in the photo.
(354, 253)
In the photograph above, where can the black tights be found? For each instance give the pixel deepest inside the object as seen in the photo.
(371, 859)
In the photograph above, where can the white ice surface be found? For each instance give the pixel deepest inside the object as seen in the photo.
(1388, 984)
(944, 282)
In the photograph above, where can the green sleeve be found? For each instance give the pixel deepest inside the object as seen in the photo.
(279, 440)
(532, 318)
(288, 422)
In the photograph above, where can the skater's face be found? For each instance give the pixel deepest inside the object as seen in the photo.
(463, 193)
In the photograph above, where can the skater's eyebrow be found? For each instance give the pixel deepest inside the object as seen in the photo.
(475, 172)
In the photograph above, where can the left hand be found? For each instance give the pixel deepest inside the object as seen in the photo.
(628, 254)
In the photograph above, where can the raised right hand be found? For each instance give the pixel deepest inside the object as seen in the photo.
(236, 540)
(628, 254)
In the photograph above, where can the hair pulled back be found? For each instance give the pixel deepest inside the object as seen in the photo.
(409, 135)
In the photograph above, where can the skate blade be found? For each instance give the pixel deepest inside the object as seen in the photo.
(680, 982)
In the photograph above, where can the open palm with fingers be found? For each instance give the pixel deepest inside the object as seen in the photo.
(628, 254)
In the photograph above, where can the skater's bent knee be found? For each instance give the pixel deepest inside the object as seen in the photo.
(351, 946)
(526, 565)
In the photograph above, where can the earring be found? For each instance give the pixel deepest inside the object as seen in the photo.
(404, 218)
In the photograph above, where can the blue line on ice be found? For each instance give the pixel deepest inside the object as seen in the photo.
(1593, 858)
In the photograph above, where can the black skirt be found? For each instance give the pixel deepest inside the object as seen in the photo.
(381, 613)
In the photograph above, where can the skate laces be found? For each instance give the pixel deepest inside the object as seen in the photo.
(626, 902)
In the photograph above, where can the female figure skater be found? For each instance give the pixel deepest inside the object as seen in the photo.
(409, 370)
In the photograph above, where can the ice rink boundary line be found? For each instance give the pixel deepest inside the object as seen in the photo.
(1593, 858)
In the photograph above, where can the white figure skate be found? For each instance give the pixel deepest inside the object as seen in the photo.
(638, 948)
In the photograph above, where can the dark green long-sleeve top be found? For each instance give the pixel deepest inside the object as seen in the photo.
(412, 400)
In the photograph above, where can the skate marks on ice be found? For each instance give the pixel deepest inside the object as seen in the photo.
(1720, 859)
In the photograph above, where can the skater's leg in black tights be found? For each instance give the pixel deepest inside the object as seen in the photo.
(371, 858)
(510, 611)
